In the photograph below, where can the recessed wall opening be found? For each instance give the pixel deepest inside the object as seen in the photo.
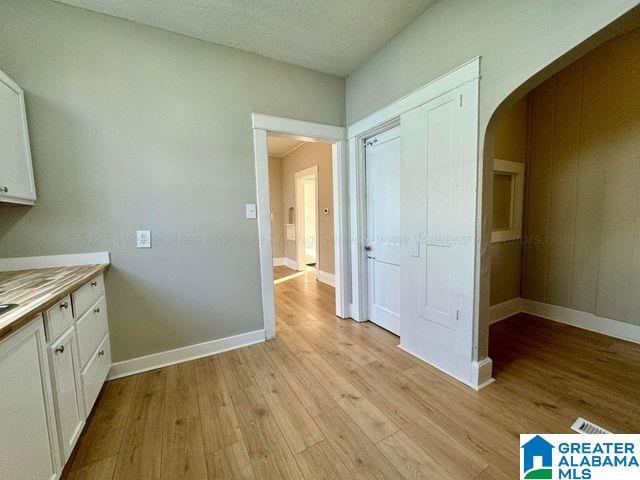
(566, 213)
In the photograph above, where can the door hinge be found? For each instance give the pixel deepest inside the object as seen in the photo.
(368, 143)
(460, 99)
(457, 315)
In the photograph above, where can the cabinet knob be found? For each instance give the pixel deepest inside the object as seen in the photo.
(94, 284)
(60, 349)
(101, 353)
(64, 305)
(4, 189)
(96, 310)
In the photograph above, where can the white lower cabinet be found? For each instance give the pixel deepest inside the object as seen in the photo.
(49, 383)
(28, 440)
(67, 391)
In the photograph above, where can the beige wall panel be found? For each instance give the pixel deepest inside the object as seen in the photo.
(511, 144)
(506, 261)
(276, 205)
(590, 195)
(618, 108)
(512, 133)
(563, 188)
(596, 167)
(304, 157)
(541, 151)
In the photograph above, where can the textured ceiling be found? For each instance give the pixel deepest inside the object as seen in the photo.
(280, 146)
(332, 36)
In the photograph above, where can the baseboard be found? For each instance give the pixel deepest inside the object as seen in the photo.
(584, 320)
(481, 373)
(505, 309)
(325, 277)
(184, 354)
(50, 261)
(567, 316)
(278, 261)
(291, 263)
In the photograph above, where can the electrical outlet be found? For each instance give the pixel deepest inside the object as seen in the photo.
(250, 210)
(143, 239)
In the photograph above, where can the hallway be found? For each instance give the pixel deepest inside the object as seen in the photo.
(331, 398)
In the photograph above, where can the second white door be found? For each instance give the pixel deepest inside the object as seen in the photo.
(382, 157)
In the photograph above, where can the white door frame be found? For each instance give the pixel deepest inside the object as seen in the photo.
(379, 121)
(301, 229)
(263, 124)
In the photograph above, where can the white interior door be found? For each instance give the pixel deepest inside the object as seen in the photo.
(382, 157)
(438, 205)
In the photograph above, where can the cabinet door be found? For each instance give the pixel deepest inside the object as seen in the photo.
(28, 443)
(16, 174)
(67, 394)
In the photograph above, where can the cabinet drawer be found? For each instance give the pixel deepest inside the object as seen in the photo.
(58, 318)
(92, 328)
(87, 295)
(95, 373)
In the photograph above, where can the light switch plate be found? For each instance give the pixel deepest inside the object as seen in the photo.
(251, 211)
(143, 239)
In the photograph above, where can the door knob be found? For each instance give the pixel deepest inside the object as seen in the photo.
(368, 248)
(60, 349)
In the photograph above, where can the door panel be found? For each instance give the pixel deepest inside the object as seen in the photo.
(438, 203)
(67, 391)
(382, 156)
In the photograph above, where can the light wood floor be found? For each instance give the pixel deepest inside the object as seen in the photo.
(281, 271)
(333, 399)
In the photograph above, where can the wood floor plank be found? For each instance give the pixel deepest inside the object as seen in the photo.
(141, 453)
(183, 449)
(312, 395)
(237, 373)
(101, 470)
(103, 434)
(220, 426)
(320, 462)
(299, 429)
(410, 460)
(230, 463)
(270, 456)
(361, 457)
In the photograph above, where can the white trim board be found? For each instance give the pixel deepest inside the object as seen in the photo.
(326, 277)
(279, 261)
(184, 354)
(567, 316)
(267, 124)
(50, 261)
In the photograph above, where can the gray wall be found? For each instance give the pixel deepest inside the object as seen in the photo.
(583, 205)
(517, 40)
(134, 128)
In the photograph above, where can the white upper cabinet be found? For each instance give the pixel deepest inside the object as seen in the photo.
(16, 170)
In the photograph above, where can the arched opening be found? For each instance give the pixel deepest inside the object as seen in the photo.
(565, 220)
